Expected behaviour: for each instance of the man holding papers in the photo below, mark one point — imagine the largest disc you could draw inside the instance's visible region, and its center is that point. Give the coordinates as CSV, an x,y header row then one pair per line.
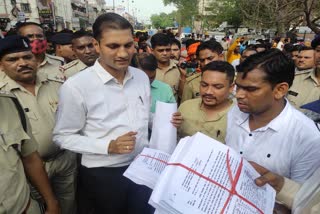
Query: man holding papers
x,y
265,127
300,198
103,114
208,114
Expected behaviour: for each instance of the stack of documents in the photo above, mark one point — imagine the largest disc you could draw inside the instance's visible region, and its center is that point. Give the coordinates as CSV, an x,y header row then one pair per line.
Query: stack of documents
x,y
203,176
147,167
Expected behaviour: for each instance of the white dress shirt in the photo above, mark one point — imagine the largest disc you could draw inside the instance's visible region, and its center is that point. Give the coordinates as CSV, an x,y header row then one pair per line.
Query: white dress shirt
x,y
289,145
94,108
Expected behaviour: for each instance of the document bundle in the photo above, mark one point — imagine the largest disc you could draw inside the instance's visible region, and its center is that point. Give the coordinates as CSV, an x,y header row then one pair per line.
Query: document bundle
x,y
201,176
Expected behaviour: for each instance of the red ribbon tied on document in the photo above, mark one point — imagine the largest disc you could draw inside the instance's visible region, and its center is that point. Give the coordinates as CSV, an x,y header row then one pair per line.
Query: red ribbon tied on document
x,y
233,181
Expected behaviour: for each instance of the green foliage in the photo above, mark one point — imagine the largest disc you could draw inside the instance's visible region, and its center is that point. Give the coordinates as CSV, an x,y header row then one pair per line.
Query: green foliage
x,y
163,20
187,10
225,10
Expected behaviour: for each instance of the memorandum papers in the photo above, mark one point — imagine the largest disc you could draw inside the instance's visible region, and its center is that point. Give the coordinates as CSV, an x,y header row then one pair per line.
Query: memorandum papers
x,y
205,176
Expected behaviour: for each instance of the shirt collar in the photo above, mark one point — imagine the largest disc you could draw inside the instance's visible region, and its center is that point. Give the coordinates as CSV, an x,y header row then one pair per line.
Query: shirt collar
x,y
312,75
45,61
155,84
242,119
219,115
106,77
171,66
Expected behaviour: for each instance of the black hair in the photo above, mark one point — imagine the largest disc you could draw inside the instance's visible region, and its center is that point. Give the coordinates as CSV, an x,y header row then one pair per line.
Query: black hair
x,y
316,41
20,25
296,48
213,46
160,39
274,63
176,42
220,66
81,33
138,34
190,42
288,47
250,48
262,45
304,48
145,61
110,21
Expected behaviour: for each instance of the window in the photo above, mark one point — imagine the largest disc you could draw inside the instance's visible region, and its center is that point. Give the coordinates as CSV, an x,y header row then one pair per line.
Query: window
x,y
25,7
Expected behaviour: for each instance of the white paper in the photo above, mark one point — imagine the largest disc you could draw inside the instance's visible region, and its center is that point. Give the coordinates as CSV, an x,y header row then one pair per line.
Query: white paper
x,y
164,134
147,167
182,191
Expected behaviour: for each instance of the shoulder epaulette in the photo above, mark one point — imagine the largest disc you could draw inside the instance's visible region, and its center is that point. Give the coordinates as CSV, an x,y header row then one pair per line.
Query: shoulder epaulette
x,y
6,94
58,58
2,84
69,65
194,76
56,77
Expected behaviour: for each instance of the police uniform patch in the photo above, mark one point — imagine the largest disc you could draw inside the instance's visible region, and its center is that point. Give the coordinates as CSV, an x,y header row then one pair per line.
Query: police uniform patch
x,y
293,93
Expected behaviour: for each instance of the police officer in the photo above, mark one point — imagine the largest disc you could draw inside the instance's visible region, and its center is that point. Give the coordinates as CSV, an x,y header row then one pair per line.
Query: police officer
x,y
63,47
83,47
18,159
47,63
306,86
208,114
38,94
206,52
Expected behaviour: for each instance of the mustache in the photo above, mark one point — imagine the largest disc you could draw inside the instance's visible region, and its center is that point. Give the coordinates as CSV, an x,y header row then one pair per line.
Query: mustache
x,y
25,68
208,96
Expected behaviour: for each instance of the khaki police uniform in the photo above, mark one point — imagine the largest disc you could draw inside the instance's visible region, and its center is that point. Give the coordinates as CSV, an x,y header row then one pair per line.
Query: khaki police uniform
x,y
2,74
305,89
196,120
171,76
40,110
192,87
14,189
72,68
51,65
298,72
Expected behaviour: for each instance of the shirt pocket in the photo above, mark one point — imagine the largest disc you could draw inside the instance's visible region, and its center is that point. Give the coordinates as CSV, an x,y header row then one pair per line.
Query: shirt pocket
x,y
10,143
34,120
139,109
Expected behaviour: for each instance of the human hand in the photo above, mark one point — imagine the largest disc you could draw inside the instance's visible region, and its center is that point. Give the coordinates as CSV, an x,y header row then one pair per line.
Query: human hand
x,y
176,119
183,71
53,207
123,144
275,180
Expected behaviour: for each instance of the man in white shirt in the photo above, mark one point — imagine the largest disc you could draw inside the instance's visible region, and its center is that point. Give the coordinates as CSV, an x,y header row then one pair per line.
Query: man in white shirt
x,y
265,127
103,114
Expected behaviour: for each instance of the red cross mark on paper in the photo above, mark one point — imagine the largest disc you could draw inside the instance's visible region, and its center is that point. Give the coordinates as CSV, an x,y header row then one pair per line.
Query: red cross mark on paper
x,y
233,180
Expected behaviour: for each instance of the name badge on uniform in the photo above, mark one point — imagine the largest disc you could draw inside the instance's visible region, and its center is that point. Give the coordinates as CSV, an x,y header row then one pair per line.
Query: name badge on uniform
x,y
293,93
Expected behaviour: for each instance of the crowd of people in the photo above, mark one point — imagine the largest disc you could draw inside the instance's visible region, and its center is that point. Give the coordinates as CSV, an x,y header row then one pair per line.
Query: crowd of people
x,y
72,122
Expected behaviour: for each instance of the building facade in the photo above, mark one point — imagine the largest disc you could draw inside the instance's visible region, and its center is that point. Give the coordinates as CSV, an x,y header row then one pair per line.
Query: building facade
x,y
55,14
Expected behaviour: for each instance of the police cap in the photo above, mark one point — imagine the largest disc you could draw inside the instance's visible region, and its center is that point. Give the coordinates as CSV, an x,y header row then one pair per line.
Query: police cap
x,y
14,44
62,38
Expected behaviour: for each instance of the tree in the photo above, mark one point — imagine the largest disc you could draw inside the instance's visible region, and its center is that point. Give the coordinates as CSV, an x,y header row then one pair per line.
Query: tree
x,y
163,20
225,10
187,10
312,14
281,14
